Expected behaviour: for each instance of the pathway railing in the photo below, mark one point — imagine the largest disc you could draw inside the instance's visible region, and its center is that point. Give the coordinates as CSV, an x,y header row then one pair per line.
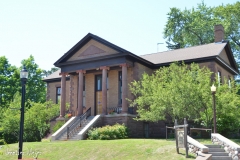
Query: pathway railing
x,y
229,146
77,123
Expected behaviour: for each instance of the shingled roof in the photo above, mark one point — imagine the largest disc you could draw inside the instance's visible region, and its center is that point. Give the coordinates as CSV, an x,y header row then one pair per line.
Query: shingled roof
x,y
190,53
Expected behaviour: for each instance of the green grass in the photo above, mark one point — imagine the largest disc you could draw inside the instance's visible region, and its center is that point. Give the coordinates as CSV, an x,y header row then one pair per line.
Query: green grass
x,y
125,149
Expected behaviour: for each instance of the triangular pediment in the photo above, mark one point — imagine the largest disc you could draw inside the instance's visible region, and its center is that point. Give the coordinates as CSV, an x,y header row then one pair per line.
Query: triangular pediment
x,y
88,47
92,50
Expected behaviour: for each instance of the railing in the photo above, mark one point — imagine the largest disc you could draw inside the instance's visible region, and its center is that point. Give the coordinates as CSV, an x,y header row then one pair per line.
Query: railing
x,y
118,110
229,146
71,128
195,146
112,110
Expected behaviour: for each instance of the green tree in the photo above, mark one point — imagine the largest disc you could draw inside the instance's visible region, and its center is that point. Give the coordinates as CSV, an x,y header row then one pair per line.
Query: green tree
x,y
183,91
9,82
35,87
227,108
36,121
195,26
178,91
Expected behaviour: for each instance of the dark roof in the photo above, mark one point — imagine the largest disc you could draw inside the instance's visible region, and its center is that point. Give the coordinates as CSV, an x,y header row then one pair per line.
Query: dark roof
x,y
83,41
195,52
155,60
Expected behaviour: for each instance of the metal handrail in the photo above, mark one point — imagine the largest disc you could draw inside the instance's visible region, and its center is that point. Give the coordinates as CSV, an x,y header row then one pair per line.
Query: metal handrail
x,y
77,122
114,109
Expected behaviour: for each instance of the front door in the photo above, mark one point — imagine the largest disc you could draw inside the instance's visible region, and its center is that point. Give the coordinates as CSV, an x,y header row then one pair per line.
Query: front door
x,y
98,94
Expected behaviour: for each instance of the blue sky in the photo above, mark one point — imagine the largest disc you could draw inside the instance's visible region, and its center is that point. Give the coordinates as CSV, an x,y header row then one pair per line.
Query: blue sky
x,y
49,28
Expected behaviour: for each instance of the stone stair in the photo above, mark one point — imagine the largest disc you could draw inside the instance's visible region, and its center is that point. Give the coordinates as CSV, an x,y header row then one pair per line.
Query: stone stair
x,y
76,130
218,153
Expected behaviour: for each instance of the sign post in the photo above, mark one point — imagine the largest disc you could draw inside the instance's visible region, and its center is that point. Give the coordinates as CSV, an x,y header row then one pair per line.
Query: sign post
x,y
181,136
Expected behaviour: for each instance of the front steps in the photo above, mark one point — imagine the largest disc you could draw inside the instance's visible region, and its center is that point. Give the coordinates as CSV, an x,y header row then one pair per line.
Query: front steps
x,y
218,153
76,130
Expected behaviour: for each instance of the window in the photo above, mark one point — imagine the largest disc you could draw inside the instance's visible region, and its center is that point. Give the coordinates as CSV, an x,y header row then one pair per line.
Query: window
x,y
120,87
98,82
58,95
219,78
84,93
229,82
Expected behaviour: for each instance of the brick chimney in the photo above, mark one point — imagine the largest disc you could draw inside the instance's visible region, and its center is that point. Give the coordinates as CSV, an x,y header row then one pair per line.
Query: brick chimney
x,y
218,33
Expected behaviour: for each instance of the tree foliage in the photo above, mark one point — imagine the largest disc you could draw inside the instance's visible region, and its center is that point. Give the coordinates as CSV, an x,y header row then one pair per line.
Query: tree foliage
x,y
35,87
36,121
178,92
195,26
9,82
228,107
183,91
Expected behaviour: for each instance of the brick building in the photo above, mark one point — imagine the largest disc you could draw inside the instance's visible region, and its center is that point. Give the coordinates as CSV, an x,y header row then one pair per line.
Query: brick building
x,y
95,74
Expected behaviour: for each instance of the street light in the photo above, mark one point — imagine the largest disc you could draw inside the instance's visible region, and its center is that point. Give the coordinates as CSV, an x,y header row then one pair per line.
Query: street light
x,y
23,76
213,89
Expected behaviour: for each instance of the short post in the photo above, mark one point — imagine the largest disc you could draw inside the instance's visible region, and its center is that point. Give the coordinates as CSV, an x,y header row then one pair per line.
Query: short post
x,y
166,132
185,137
68,132
176,136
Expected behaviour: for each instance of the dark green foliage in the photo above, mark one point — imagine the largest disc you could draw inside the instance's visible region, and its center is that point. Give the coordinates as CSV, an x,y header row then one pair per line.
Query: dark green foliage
x,y
108,132
9,82
36,121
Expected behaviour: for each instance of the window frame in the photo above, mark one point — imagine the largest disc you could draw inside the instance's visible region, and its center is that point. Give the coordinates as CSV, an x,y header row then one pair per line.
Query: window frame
x,y
58,94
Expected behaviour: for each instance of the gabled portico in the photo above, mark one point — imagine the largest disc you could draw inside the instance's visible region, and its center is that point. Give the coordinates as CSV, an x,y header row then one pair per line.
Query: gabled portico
x,y
107,65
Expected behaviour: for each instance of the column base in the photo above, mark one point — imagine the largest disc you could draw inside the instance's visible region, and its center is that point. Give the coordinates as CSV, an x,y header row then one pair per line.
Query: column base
x,y
60,118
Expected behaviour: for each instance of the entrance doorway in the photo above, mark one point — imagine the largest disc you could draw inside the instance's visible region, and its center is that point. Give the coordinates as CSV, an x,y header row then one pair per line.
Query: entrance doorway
x,y
98,94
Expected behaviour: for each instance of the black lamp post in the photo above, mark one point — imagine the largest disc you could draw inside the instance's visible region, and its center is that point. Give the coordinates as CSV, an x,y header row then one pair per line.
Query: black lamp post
x,y
23,76
213,89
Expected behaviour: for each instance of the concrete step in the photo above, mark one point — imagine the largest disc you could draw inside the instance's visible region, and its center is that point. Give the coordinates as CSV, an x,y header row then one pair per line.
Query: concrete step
x,y
212,146
216,150
221,158
218,153
76,130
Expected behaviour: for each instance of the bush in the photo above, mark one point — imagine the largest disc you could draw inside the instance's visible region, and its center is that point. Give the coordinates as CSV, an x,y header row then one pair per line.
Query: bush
x,y
116,131
58,125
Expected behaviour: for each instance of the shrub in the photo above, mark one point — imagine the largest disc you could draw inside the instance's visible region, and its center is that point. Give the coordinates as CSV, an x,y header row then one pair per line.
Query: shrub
x,y
116,131
58,125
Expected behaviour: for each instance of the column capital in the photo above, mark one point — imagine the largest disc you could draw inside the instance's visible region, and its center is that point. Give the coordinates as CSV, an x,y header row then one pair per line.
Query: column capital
x,y
81,71
124,65
104,67
63,73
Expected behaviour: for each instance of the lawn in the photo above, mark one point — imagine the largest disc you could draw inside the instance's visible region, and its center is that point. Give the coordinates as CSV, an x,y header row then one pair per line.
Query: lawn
x,y
125,149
